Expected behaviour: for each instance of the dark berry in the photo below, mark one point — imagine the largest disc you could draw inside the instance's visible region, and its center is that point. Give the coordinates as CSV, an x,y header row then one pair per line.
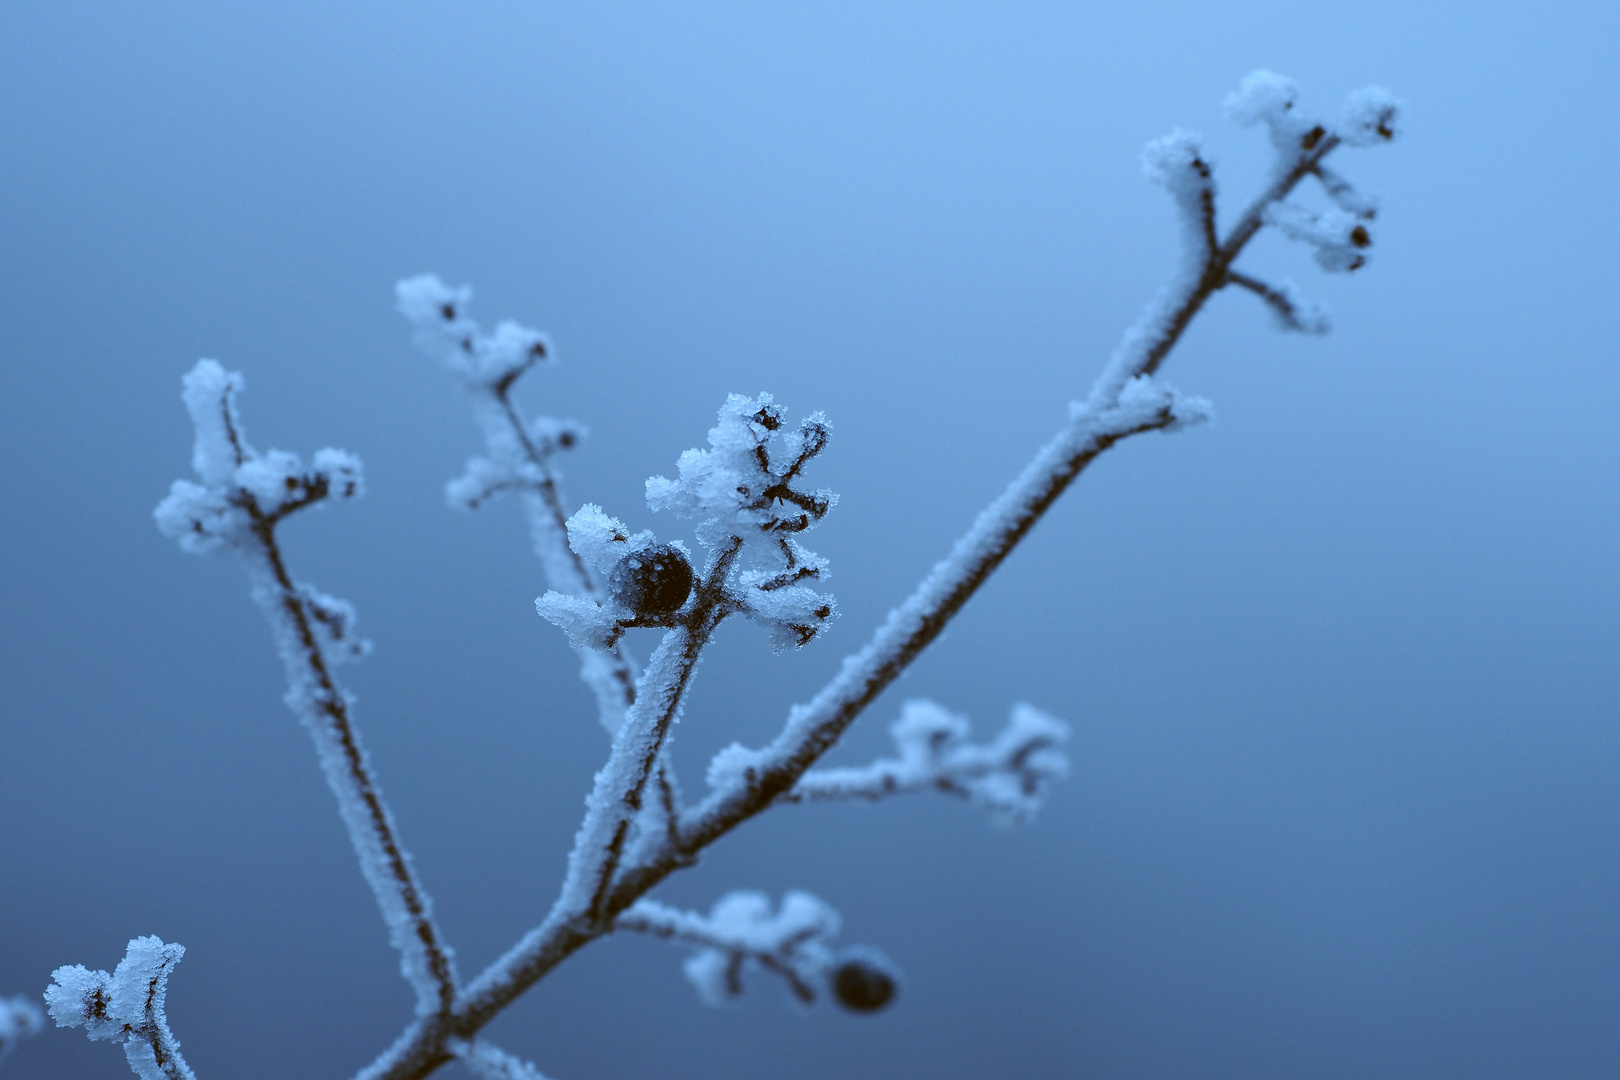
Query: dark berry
x,y
863,984
653,581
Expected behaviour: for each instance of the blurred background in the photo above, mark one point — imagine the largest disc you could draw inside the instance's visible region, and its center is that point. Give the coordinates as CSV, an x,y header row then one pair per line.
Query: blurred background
x,y
1342,669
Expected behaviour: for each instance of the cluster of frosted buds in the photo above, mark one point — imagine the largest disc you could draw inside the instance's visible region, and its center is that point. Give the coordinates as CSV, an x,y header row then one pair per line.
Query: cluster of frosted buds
x,y
1008,775
742,932
1341,235
242,490
126,1006
443,330
488,364
743,492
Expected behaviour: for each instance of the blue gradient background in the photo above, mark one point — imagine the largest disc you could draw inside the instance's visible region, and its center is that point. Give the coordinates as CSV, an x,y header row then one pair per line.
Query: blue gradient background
x,y
1342,669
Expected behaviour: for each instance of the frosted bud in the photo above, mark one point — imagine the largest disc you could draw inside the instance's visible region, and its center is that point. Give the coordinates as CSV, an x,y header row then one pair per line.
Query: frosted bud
x,y
79,997
602,540
1262,96
1369,117
426,301
1176,160
863,980
333,621
655,580
203,520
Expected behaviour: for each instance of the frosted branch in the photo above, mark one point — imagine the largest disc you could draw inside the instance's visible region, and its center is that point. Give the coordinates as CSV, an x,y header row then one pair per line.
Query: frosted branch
x,y
518,456
1009,775
243,496
1293,312
742,932
1125,400
487,1061
20,1019
125,1007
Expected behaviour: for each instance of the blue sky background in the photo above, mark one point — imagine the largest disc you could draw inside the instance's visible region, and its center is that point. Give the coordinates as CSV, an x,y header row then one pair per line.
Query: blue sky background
x,y
1342,669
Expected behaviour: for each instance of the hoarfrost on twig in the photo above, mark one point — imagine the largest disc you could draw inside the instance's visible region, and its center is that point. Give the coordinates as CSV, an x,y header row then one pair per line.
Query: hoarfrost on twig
x,y
519,456
487,1061
742,931
126,1007
746,495
244,495
1008,776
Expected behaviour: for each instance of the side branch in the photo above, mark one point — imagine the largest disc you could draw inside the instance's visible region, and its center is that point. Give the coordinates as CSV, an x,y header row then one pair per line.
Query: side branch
x,y
323,706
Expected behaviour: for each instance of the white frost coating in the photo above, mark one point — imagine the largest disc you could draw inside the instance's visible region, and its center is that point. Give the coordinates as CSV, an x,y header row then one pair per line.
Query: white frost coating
x,y
518,456
602,540
1008,776
589,625
323,708
1338,237
742,931
443,331
1369,117
636,746
19,1019
487,1061
244,494
209,393
1351,200
743,491
1262,96
126,1007
1146,400
1293,311
1119,400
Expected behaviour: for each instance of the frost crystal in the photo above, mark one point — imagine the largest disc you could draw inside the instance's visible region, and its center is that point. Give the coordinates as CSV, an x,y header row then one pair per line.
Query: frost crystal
x,y
126,1007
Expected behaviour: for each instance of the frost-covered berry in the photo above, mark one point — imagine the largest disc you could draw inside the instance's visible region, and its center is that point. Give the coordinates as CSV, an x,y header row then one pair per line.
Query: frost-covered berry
x,y
653,581
863,983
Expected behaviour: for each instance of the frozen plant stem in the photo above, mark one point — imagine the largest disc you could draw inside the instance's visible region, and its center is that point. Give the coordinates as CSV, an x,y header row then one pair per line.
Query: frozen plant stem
x,y
636,831
244,496
1124,401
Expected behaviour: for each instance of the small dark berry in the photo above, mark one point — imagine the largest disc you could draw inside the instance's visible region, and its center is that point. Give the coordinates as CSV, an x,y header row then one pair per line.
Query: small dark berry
x,y
1360,237
653,581
863,984
448,311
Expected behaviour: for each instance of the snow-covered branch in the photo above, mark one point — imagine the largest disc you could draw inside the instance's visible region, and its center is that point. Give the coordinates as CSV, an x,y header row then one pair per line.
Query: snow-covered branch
x,y
487,1061
242,497
741,931
746,495
1126,400
1009,775
20,1019
125,1007
518,455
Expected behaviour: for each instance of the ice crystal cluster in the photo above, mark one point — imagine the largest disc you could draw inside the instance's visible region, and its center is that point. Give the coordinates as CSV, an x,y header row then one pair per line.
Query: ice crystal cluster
x,y
747,503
